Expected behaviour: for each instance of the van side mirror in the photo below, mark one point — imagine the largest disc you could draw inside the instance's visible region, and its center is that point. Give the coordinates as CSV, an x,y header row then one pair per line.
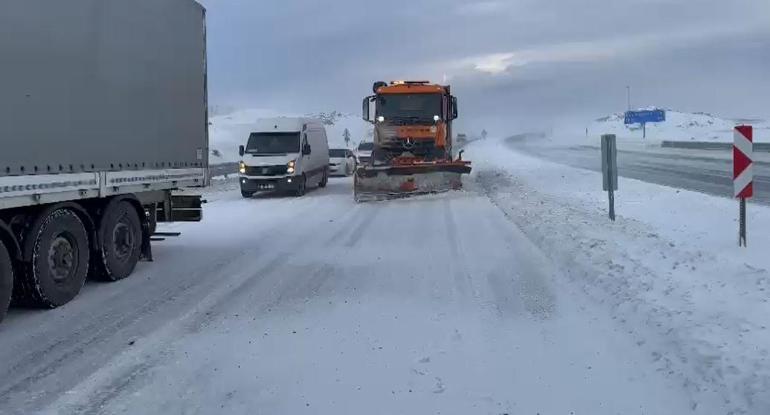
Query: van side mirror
x,y
306,150
241,150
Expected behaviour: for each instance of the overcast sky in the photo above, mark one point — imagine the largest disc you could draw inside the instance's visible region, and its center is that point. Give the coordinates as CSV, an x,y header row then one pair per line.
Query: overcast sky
x,y
514,64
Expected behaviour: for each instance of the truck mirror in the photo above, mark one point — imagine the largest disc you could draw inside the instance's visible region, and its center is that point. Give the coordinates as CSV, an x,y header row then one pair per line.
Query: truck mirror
x,y
365,109
241,150
306,150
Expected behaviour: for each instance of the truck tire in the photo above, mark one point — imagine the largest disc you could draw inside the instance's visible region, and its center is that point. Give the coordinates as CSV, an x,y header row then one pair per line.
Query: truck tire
x,y
324,179
120,233
57,244
6,280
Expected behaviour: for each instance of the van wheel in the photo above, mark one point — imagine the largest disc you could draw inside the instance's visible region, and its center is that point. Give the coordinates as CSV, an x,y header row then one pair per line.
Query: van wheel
x,y
6,280
301,186
120,234
246,195
58,245
324,179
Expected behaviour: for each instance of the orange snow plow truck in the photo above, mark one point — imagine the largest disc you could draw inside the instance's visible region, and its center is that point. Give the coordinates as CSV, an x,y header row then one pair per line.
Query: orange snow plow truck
x,y
412,142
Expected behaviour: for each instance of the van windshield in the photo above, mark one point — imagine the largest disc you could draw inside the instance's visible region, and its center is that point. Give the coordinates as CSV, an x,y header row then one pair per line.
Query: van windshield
x,y
338,153
368,146
273,143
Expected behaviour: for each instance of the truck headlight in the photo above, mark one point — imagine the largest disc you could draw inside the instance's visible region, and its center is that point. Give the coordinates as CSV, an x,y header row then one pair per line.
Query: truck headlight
x,y
242,167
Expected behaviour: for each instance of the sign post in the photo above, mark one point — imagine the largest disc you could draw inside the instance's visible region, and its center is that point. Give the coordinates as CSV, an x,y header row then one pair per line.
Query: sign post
x,y
743,177
610,169
643,117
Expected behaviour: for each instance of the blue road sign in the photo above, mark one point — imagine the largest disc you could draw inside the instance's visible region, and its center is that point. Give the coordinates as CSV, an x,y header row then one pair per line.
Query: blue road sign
x,y
643,117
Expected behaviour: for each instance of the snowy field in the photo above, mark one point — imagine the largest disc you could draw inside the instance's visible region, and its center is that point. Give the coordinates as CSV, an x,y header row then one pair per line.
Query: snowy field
x,y
679,126
513,296
231,128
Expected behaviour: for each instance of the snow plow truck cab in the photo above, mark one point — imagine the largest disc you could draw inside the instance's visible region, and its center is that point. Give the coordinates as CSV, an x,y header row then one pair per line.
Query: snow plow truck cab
x,y
413,150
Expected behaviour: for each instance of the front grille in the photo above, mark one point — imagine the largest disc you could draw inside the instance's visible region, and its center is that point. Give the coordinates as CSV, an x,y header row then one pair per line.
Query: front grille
x,y
279,170
395,143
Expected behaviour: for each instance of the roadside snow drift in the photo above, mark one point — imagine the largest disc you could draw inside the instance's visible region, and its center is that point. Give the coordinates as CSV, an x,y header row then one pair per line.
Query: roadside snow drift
x,y
670,269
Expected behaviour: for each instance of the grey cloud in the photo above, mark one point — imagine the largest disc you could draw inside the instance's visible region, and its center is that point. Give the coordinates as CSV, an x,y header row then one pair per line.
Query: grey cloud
x,y
560,58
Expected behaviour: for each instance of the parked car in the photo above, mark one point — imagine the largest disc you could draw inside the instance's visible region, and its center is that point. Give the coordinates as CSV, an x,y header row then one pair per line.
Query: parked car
x,y
364,152
284,154
342,162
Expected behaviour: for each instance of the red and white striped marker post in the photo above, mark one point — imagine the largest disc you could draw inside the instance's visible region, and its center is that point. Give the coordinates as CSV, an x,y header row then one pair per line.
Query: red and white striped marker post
x,y
743,176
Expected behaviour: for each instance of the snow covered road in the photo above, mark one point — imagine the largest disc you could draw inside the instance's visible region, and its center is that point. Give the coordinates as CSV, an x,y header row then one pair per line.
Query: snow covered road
x,y
317,305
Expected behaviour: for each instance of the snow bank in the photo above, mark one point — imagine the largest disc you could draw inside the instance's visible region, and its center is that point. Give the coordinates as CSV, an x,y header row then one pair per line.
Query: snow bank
x,y
669,269
359,129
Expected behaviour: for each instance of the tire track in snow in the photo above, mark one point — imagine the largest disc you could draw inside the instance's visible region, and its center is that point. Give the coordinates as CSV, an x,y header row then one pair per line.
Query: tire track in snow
x,y
168,298
368,216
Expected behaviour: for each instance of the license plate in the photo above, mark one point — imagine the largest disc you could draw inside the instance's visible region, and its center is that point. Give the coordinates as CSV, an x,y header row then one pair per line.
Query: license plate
x,y
267,186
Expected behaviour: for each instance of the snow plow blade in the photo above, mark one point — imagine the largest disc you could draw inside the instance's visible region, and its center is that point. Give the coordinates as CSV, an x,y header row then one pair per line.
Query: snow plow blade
x,y
372,183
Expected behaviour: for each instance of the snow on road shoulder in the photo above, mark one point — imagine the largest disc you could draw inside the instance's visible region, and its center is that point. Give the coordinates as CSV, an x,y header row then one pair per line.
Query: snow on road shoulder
x,y
669,268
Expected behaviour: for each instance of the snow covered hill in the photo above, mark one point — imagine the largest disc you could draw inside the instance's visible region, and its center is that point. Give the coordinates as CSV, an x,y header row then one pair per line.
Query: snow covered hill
x,y
680,126
229,127
337,122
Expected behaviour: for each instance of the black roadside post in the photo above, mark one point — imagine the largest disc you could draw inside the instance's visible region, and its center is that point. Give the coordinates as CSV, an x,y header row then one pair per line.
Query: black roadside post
x,y
610,169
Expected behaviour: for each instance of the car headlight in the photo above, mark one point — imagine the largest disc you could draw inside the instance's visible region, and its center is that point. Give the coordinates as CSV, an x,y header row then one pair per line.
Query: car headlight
x,y
242,167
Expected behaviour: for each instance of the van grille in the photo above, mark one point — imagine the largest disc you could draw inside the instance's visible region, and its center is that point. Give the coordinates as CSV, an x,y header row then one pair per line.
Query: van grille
x,y
279,170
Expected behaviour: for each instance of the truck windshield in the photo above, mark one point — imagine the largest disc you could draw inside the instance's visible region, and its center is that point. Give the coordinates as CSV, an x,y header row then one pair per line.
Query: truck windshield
x,y
273,143
410,107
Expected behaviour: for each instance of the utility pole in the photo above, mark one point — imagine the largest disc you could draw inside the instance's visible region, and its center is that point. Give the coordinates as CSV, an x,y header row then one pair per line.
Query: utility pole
x,y
628,95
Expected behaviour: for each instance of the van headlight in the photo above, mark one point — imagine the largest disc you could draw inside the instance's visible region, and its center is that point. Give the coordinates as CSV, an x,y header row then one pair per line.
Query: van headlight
x,y
290,167
242,167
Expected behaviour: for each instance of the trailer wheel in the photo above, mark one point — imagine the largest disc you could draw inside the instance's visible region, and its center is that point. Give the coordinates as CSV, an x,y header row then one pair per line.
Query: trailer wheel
x,y
121,241
6,280
59,260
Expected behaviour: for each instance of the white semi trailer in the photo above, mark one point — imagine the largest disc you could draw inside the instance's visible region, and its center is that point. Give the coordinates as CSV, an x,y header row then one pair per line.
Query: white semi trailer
x,y
103,120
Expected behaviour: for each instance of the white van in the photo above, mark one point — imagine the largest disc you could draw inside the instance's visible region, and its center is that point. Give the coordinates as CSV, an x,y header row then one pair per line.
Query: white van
x,y
284,154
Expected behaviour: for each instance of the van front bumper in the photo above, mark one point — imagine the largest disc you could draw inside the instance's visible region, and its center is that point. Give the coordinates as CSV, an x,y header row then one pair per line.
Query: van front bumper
x,y
251,184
